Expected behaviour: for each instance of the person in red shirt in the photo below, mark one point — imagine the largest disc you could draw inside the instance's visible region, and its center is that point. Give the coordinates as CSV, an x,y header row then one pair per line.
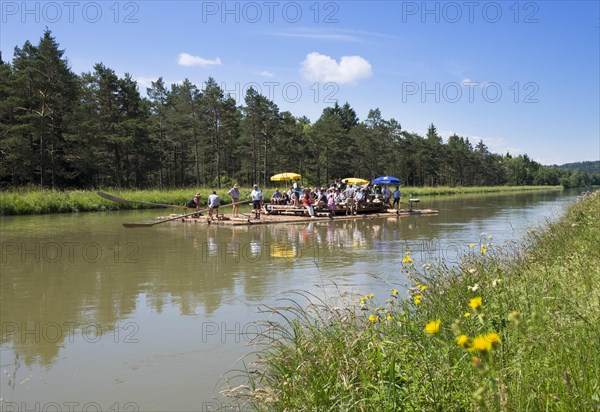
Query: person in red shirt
x,y
307,203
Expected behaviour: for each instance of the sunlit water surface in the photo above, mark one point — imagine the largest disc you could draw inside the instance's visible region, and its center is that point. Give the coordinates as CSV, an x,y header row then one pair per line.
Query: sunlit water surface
x,y
108,318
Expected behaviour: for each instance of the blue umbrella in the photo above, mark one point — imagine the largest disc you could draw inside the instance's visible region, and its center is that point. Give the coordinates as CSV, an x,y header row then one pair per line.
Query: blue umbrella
x,y
387,180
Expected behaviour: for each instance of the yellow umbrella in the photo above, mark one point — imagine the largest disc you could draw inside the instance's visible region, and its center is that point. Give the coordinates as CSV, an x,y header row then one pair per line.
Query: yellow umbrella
x,y
355,181
285,176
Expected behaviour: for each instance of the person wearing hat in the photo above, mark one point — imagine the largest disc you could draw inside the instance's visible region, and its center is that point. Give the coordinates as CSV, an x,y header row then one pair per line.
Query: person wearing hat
x,y
257,198
195,203
234,192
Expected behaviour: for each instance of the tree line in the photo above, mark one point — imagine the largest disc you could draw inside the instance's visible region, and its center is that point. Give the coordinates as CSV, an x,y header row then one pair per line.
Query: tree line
x,y
63,130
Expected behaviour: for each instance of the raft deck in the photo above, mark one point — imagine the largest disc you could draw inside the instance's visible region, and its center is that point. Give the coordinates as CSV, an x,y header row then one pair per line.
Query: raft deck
x,y
268,219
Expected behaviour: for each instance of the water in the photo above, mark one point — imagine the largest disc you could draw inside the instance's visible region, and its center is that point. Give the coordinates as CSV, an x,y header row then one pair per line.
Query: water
x,y
108,318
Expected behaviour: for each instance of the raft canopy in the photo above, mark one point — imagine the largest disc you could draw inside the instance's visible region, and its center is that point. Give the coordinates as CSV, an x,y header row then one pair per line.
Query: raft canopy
x,y
355,181
387,180
287,176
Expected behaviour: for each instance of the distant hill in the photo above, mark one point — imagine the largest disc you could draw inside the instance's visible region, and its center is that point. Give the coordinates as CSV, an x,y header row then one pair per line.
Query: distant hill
x,y
592,167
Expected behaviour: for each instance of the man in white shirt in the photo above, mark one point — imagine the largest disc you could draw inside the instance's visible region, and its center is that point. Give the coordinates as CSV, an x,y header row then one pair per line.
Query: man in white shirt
x,y
213,205
257,198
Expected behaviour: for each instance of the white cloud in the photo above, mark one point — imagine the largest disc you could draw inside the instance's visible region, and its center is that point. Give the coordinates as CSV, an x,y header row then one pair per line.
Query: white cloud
x,y
321,68
318,36
338,35
266,73
145,82
188,60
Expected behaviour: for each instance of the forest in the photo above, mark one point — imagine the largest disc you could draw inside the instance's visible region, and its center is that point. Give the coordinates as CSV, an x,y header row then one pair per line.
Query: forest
x,y
59,129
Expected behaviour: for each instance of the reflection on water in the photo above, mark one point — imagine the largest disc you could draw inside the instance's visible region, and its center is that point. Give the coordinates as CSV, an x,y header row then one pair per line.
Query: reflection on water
x,y
154,316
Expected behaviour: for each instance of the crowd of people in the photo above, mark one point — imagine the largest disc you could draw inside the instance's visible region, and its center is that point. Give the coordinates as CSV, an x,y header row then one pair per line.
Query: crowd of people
x,y
339,195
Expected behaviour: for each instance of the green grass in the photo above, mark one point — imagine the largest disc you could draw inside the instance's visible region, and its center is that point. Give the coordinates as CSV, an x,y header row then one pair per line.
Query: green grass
x,y
39,201
33,200
367,353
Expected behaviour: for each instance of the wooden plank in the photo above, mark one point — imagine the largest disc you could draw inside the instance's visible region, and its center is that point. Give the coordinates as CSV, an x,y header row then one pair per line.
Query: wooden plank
x,y
278,219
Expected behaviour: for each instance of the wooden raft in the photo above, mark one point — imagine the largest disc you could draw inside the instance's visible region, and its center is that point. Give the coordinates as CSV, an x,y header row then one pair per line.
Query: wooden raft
x,y
267,219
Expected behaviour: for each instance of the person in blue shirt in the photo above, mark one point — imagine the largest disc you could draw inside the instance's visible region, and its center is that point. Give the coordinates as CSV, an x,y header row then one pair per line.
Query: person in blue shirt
x,y
397,195
277,197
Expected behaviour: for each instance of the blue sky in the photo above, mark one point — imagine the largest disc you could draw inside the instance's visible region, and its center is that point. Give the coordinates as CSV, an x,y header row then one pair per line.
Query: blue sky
x,y
522,76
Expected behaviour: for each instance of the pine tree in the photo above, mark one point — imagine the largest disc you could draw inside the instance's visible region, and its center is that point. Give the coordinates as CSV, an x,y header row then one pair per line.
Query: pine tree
x,y
42,92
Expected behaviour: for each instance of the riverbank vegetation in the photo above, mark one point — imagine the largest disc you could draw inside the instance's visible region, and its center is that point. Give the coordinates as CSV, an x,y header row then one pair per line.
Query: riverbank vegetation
x,y
31,200
507,329
59,129
35,200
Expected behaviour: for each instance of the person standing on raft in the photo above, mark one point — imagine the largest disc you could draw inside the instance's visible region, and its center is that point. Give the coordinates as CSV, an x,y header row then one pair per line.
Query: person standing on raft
x,y
257,199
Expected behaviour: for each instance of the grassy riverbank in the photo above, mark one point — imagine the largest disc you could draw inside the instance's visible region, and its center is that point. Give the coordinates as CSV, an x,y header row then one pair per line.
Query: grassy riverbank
x,y
39,201
505,330
36,201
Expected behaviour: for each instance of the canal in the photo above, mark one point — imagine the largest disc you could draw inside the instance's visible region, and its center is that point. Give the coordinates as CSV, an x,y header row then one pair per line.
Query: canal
x,y
95,316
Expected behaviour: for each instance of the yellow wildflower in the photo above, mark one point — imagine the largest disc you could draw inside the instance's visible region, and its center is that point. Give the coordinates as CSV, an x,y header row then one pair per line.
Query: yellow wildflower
x,y
490,237
417,299
493,338
373,318
471,245
394,292
481,344
362,300
422,287
476,302
432,327
462,341
371,295
388,317
407,259
483,250
467,314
